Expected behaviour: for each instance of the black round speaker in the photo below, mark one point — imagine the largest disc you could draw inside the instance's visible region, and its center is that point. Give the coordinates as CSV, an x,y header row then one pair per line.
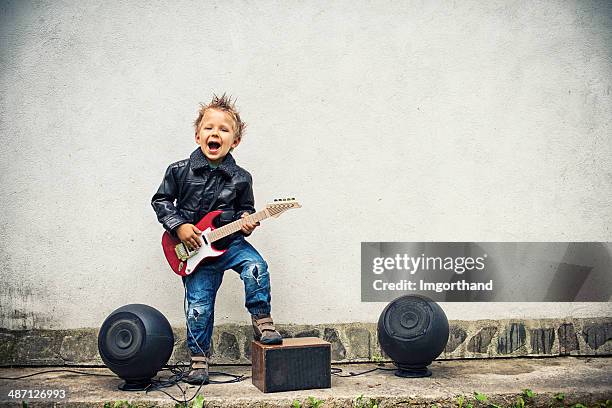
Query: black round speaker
x,y
413,331
135,341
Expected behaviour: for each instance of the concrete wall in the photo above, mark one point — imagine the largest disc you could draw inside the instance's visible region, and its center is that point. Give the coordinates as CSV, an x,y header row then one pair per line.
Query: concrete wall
x,y
390,121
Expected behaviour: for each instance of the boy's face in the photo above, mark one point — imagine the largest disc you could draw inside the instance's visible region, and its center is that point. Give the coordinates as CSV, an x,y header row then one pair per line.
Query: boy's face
x,y
215,135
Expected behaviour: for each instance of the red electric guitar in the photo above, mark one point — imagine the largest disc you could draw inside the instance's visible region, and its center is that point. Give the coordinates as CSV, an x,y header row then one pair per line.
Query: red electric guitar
x,y
183,261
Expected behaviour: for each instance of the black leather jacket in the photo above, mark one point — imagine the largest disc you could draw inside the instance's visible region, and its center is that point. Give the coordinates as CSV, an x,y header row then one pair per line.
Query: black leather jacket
x,y
193,184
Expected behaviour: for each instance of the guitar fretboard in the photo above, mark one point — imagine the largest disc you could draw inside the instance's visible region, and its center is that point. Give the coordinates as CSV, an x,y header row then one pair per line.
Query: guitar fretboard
x,y
237,225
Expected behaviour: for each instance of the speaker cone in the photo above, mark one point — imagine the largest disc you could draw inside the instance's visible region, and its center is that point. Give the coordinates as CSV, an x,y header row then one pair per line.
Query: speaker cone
x,y
123,338
413,331
135,341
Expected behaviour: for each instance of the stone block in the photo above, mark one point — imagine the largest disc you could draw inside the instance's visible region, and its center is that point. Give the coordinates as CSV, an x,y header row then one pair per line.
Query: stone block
x,y
309,333
228,346
479,343
338,350
7,349
247,334
568,341
285,334
597,334
180,352
80,347
542,340
39,347
511,339
358,342
456,337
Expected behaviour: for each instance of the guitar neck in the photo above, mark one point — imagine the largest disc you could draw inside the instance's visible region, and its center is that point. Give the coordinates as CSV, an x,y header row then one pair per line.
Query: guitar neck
x,y
237,225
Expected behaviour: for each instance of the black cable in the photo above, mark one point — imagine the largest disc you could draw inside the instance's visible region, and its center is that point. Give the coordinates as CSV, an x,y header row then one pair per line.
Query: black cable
x,y
237,378
336,371
180,371
181,368
56,371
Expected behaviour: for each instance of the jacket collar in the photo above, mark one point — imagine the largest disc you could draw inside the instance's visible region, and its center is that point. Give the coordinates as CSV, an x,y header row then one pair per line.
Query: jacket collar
x,y
198,162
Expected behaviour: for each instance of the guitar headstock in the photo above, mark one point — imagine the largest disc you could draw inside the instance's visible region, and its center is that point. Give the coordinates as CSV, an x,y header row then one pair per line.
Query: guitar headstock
x,y
280,205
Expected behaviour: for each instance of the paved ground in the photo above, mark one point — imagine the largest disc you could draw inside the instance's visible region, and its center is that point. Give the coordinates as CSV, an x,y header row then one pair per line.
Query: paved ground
x,y
580,380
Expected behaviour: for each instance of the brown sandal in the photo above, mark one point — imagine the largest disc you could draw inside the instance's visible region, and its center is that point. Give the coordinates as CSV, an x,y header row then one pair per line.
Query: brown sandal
x,y
264,330
198,371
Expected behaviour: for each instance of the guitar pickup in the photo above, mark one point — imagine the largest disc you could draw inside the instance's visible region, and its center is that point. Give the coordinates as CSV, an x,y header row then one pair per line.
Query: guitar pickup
x,y
183,253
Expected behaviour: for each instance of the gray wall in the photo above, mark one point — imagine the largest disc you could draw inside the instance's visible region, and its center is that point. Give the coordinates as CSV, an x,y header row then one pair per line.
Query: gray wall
x,y
390,121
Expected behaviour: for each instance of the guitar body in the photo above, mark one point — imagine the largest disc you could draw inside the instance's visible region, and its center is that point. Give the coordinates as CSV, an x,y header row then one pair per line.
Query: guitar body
x,y
206,251
184,262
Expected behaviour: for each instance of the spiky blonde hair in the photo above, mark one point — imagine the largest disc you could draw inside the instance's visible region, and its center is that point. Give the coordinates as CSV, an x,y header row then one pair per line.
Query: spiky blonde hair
x,y
223,103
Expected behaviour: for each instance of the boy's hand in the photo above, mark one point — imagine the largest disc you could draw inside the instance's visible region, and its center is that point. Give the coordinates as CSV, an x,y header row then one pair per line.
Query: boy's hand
x,y
248,227
190,235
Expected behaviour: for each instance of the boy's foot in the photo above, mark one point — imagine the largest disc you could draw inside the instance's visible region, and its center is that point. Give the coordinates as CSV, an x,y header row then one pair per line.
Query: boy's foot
x,y
264,331
198,370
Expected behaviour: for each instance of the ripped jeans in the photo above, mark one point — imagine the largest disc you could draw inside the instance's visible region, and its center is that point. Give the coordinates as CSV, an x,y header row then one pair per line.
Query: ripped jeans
x,y
202,286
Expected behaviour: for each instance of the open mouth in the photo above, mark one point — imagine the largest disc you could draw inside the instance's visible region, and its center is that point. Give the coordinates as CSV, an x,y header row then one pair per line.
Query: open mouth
x,y
213,146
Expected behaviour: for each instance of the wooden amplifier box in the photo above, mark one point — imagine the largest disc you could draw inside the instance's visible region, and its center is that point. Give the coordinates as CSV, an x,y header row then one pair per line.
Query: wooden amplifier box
x,y
297,364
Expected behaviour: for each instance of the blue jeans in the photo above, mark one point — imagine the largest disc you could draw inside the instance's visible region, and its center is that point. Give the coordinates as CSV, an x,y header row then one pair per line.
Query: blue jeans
x,y
202,286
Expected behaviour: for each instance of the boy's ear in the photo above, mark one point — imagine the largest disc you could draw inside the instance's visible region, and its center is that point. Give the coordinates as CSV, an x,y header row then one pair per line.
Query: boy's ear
x,y
235,143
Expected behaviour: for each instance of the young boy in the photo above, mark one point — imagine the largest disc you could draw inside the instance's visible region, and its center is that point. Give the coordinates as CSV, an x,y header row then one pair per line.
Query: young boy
x,y
211,180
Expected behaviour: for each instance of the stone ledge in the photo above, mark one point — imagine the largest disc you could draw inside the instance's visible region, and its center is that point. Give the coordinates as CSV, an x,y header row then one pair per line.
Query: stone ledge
x,y
351,342
580,380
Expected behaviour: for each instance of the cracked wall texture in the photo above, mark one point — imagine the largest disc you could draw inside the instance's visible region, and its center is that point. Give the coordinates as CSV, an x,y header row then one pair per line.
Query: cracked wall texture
x,y
389,121
232,343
